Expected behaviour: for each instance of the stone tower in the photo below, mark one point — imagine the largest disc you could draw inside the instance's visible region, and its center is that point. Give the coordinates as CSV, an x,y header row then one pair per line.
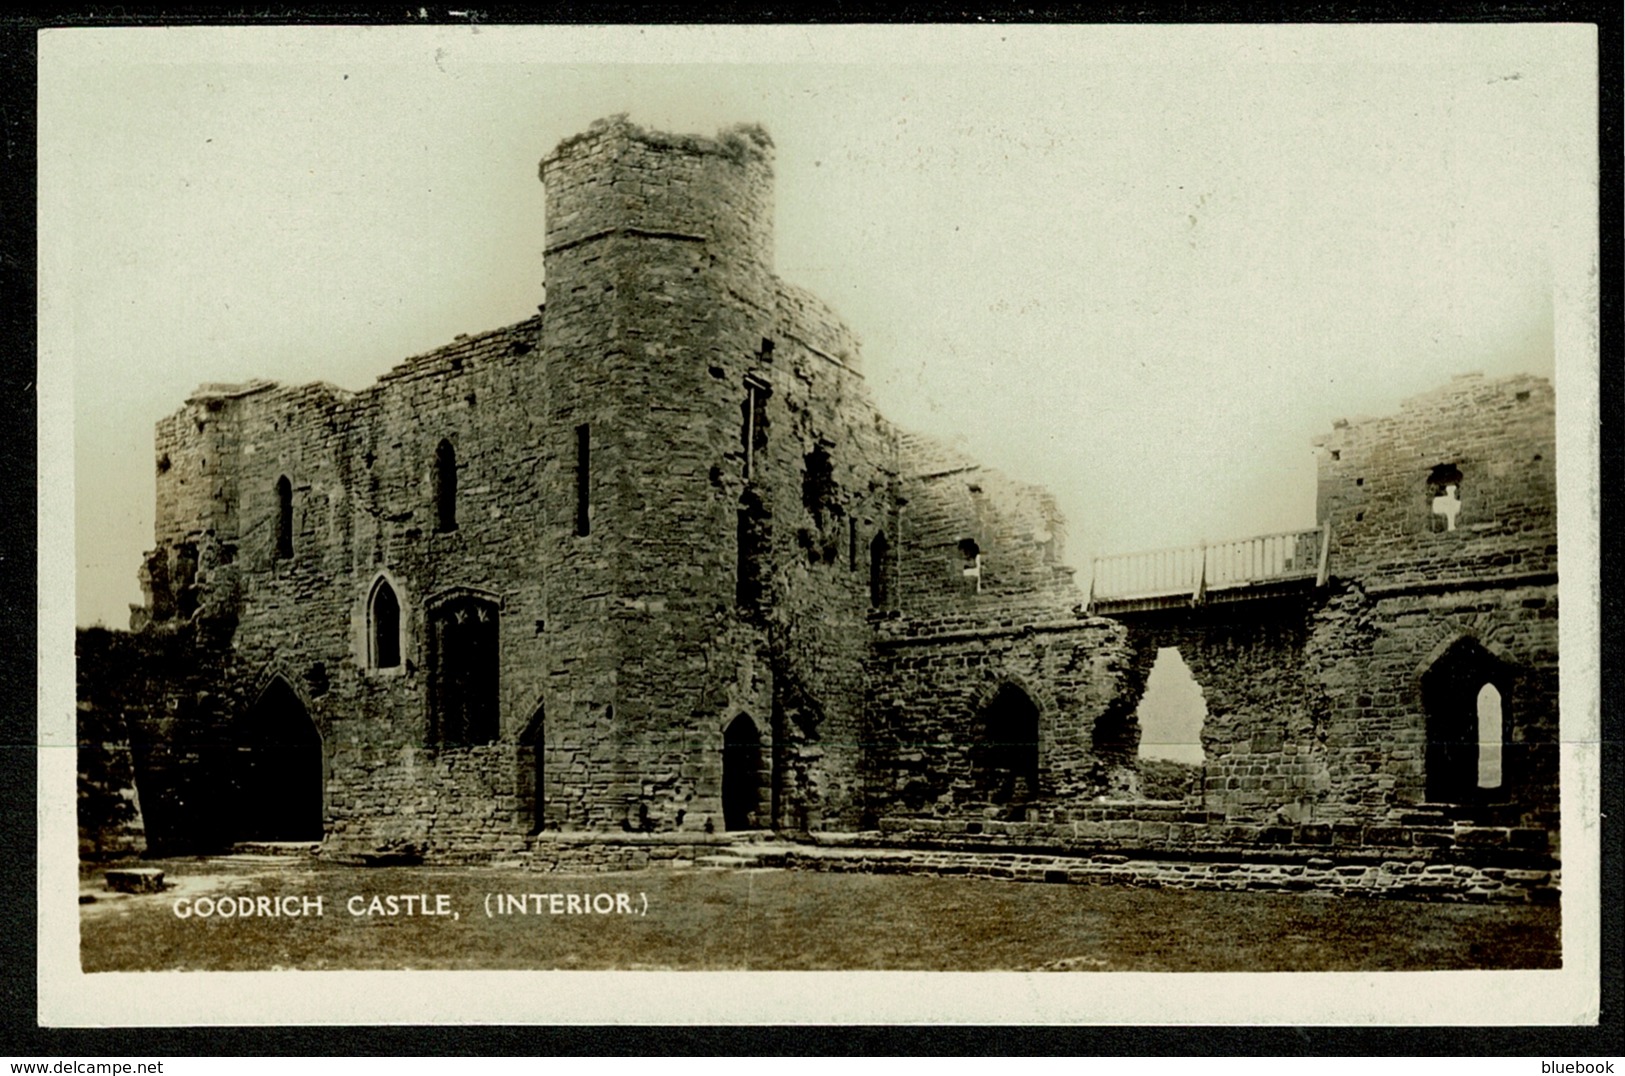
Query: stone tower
x,y
701,506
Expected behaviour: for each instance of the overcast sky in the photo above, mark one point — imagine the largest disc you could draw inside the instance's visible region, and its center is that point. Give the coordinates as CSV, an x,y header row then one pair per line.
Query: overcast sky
x,y
1142,266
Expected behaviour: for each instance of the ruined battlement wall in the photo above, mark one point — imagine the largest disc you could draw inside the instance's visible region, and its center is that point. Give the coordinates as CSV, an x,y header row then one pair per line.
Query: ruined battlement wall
x,y
972,539
320,496
1423,617
1385,486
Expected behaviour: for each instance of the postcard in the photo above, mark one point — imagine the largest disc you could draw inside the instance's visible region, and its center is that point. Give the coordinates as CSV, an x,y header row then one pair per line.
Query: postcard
x,y
992,524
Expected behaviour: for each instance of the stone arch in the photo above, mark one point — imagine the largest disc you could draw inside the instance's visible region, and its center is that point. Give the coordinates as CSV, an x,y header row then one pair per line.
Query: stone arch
x,y
1005,749
1443,646
747,779
532,760
279,771
464,658
1460,754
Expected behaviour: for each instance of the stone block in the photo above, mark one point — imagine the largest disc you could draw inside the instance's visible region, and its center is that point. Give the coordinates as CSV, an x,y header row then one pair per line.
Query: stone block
x,y
135,880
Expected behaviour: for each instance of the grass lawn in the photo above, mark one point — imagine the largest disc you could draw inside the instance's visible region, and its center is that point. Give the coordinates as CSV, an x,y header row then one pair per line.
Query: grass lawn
x,y
792,920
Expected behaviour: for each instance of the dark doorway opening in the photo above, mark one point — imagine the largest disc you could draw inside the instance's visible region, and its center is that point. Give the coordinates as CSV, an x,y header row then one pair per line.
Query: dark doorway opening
x,y
279,770
744,776
1466,696
463,672
1004,749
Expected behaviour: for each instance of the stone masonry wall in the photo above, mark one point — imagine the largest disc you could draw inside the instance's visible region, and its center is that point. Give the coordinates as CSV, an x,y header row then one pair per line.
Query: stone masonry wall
x,y
671,488
1408,591
1374,486
664,321
971,537
929,682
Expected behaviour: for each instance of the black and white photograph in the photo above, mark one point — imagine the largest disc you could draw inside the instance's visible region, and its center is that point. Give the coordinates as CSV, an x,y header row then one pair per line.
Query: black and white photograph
x,y
594,525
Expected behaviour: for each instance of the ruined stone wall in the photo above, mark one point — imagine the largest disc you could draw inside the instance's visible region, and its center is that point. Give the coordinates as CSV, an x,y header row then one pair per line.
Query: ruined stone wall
x,y
970,537
361,472
931,683
161,699
1495,439
1371,654
1263,736
1410,594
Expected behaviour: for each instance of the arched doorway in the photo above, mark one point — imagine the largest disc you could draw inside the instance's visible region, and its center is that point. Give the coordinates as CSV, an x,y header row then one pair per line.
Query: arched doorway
x,y
279,771
1004,748
745,779
1466,697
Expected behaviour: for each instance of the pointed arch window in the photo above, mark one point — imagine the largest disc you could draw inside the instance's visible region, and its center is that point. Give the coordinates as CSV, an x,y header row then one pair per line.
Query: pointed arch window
x,y
384,626
284,518
445,487
1465,696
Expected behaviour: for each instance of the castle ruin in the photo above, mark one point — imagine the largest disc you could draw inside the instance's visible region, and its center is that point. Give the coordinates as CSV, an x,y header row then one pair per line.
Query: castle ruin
x,y
649,567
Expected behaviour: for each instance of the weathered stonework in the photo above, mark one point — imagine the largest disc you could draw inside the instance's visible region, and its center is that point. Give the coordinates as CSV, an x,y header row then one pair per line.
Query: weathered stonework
x,y
600,586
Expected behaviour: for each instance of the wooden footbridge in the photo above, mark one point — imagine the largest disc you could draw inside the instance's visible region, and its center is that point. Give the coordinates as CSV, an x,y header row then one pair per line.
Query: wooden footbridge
x,y
1268,565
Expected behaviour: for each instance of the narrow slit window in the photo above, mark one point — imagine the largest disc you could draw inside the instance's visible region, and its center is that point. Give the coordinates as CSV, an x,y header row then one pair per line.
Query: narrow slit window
x,y
583,480
752,543
445,487
753,431
284,518
879,571
970,557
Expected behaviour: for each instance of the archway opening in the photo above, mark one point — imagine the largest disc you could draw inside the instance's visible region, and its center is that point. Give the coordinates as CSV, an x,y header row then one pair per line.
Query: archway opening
x,y
279,770
1170,715
744,778
1464,696
1004,749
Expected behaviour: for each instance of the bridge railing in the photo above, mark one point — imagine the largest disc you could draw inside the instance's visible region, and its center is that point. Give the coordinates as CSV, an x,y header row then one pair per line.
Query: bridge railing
x,y
1194,570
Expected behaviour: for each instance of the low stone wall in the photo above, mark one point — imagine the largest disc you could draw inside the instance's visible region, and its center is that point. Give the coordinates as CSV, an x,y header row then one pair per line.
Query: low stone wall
x,y
449,805
1390,873
1172,832
1415,879
596,852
